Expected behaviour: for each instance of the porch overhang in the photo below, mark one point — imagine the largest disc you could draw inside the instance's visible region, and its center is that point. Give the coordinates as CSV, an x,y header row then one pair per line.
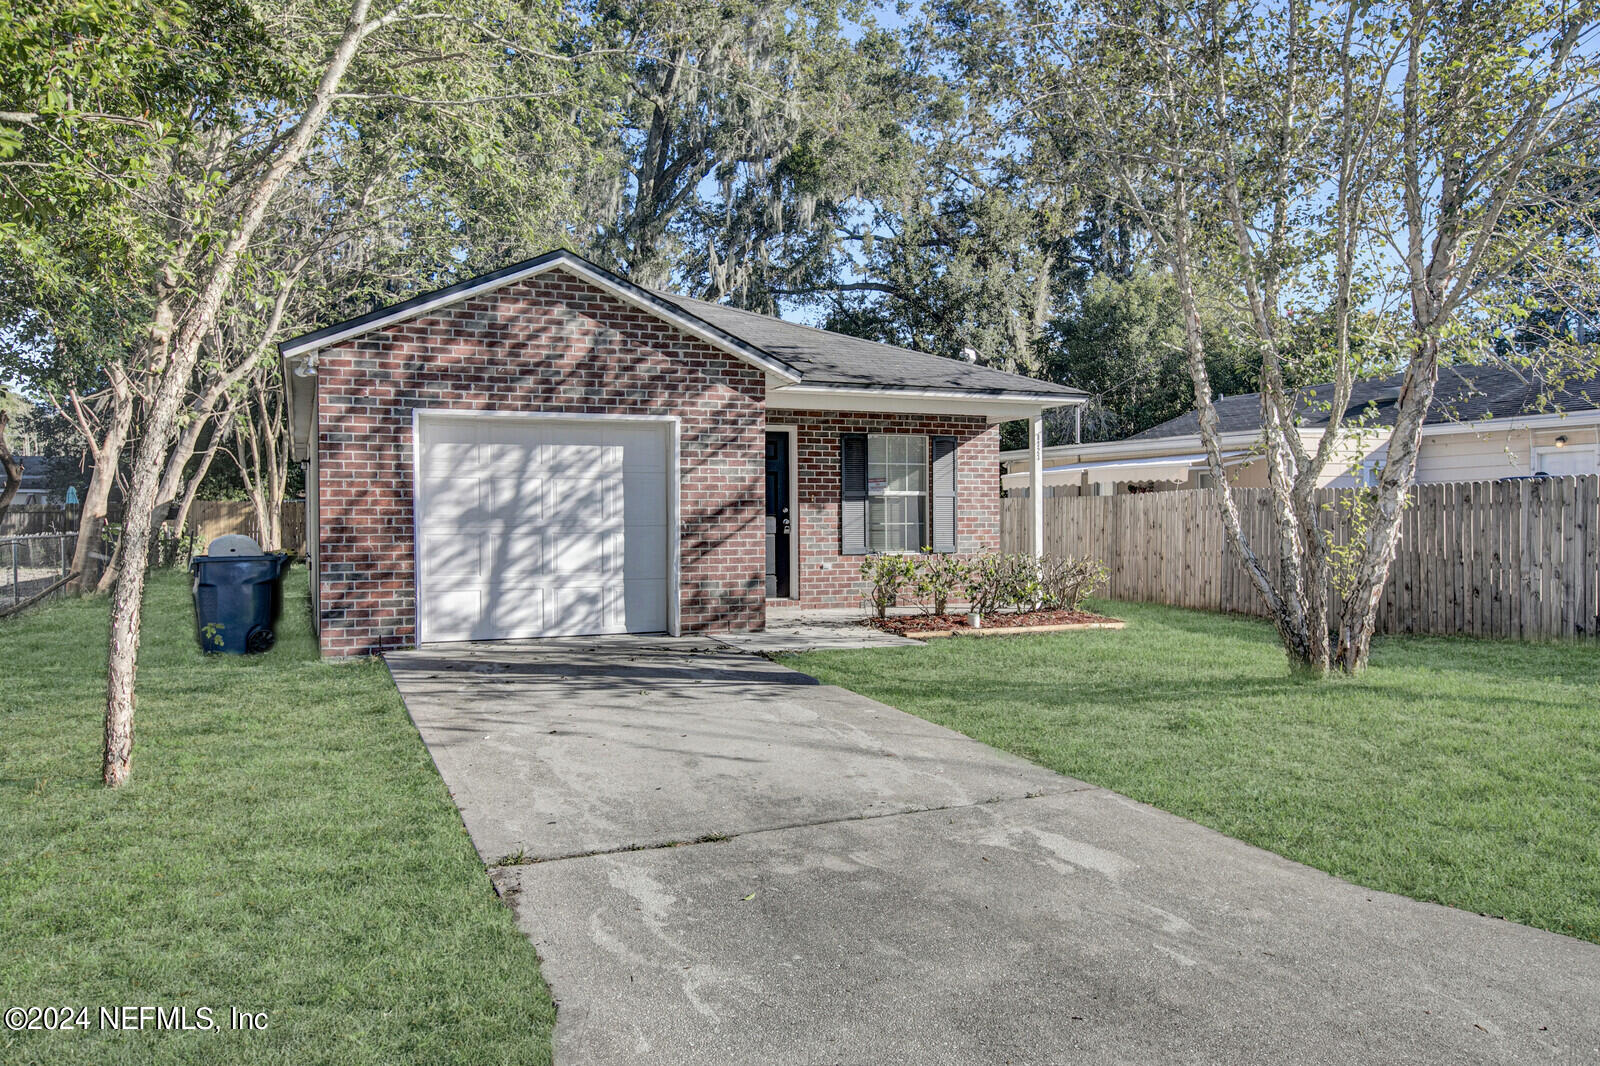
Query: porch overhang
x,y
994,406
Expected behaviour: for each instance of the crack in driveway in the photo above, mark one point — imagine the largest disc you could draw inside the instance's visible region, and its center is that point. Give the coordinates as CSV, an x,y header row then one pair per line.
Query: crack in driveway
x,y
516,859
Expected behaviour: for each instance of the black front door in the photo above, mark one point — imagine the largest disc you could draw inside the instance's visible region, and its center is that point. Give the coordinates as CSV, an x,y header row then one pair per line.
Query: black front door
x,y
778,524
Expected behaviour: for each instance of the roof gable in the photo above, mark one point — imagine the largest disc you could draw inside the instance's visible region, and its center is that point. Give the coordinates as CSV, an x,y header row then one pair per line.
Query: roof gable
x,y
429,302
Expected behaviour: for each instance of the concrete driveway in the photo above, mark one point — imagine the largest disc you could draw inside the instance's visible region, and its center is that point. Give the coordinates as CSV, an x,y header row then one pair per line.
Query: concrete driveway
x,y
721,861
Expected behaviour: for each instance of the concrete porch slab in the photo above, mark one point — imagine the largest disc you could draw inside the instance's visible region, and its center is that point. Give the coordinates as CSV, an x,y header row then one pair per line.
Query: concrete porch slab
x,y
792,630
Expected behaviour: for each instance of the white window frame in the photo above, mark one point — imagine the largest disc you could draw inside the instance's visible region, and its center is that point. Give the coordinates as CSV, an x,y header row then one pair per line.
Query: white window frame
x,y
922,497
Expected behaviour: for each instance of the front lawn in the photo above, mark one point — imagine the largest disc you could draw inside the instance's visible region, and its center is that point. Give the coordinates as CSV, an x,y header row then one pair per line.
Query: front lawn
x,y
1461,771
285,846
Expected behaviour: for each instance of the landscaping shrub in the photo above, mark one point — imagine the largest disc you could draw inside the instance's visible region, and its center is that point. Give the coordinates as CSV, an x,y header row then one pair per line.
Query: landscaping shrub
x,y
1017,581
887,576
1064,581
938,576
985,583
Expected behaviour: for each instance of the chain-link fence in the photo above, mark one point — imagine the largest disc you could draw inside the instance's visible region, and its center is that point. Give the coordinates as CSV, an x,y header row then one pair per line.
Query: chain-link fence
x,y
31,563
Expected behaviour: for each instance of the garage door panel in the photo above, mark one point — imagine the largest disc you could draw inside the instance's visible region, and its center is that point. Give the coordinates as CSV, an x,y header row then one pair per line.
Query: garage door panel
x,y
516,499
518,609
581,463
446,457
530,528
514,459
586,502
644,456
645,603
516,558
577,610
585,552
644,499
453,499
457,614
641,553
452,554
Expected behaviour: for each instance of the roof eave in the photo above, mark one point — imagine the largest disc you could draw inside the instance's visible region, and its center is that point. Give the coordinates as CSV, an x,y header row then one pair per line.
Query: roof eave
x,y
995,407
1048,399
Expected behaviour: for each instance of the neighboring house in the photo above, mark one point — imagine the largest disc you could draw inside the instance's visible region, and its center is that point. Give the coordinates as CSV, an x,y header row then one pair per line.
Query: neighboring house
x,y
1485,423
550,449
36,479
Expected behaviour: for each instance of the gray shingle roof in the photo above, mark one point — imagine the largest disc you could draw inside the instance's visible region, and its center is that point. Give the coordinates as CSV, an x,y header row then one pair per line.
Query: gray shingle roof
x,y
1464,394
826,358
35,470
815,356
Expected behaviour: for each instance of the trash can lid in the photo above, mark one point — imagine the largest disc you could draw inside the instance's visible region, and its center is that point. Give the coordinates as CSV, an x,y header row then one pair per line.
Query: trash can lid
x,y
233,544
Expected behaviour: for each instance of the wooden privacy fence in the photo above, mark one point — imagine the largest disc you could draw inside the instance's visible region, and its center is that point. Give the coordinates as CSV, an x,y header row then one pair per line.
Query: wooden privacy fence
x,y
23,519
1501,559
209,519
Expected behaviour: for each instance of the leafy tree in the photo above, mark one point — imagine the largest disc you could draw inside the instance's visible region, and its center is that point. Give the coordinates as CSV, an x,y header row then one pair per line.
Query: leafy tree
x,y
745,133
10,465
1121,341
179,207
998,227
1330,170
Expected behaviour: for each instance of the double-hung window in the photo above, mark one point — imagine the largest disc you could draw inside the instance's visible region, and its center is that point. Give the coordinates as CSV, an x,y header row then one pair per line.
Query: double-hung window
x,y
897,492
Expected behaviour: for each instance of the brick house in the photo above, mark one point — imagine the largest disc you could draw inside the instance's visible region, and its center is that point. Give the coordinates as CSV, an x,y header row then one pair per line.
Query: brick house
x,y
550,449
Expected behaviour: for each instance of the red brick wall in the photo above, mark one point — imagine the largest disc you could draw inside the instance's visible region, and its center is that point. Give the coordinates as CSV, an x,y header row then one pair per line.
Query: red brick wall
x,y
828,579
552,343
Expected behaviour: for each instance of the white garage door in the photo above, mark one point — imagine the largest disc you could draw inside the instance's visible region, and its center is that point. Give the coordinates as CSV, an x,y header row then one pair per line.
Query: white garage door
x,y
534,527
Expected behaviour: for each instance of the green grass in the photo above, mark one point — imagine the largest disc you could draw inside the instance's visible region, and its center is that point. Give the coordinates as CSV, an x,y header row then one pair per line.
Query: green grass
x,y
285,846
1461,771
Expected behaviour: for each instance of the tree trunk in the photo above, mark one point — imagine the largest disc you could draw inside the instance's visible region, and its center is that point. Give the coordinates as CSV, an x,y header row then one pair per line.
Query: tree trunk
x,y
223,423
1288,620
1359,613
204,406
123,658
107,454
12,468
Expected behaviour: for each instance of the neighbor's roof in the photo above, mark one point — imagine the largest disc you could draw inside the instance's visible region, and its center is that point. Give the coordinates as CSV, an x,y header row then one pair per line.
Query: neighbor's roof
x,y
799,355
1464,394
35,468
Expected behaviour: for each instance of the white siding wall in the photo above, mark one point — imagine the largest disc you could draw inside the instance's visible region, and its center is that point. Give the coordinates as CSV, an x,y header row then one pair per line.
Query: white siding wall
x,y
1469,456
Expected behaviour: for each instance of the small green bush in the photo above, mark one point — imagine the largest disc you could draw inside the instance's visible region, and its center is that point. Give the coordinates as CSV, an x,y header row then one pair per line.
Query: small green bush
x,y
985,583
1018,582
887,576
1065,580
938,576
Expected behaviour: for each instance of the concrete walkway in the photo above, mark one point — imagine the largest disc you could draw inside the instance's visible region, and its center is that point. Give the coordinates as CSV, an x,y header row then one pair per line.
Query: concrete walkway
x,y
721,861
793,629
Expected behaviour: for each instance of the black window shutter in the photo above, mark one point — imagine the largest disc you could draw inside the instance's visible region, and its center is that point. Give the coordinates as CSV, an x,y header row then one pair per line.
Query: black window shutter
x,y
853,494
944,494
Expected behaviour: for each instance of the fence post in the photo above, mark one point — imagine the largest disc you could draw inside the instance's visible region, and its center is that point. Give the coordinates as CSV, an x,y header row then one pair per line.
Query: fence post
x,y
16,585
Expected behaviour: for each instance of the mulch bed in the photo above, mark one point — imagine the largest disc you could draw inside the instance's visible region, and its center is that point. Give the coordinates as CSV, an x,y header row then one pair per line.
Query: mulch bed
x,y
943,624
